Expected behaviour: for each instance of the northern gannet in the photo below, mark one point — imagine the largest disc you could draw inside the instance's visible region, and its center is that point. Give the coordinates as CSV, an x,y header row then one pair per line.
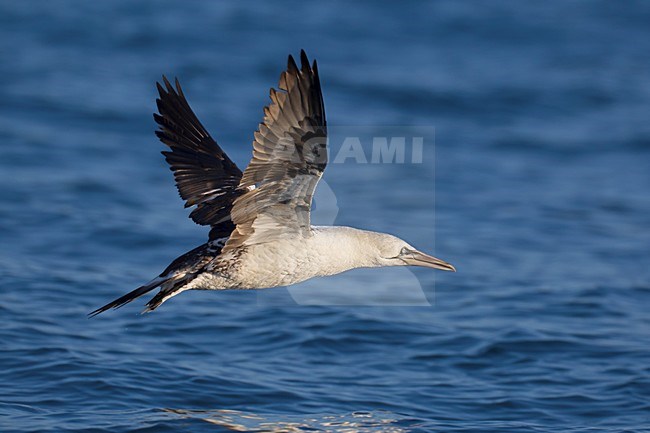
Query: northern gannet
x,y
260,231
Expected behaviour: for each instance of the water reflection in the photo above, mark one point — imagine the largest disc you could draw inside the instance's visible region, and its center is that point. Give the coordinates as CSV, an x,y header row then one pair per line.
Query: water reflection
x,y
355,422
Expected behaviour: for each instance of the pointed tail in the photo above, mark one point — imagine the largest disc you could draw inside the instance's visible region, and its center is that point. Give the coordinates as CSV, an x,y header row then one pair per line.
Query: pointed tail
x,y
172,280
130,296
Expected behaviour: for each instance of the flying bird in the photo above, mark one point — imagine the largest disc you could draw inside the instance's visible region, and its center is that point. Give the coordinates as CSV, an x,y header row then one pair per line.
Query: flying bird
x,y
260,231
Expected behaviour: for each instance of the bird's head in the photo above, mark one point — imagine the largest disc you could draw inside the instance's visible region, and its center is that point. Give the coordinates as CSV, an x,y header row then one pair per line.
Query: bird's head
x,y
393,251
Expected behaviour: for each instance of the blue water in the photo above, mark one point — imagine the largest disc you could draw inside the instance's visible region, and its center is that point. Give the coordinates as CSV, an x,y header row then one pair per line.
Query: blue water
x,y
542,178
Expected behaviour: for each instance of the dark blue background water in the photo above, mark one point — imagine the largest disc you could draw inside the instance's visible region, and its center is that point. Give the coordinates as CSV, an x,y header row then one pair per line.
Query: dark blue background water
x,y
542,177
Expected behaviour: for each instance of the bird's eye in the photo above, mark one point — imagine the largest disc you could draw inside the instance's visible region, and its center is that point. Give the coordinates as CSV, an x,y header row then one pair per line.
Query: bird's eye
x,y
404,251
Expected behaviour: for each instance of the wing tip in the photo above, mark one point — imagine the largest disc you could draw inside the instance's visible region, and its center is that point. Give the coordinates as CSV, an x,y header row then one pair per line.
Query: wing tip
x,y
292,67
175,90
304,61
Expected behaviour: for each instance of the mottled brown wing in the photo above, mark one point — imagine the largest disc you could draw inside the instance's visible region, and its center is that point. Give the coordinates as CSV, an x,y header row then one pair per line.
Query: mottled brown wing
x,y
289,156
205,176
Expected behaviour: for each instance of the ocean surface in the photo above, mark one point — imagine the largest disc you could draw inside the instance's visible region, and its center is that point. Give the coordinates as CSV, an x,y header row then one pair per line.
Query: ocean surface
x,y
535,183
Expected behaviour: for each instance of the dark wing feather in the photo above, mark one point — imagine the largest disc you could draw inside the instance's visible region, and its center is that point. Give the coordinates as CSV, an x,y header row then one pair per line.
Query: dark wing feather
x,y
289,156
205,176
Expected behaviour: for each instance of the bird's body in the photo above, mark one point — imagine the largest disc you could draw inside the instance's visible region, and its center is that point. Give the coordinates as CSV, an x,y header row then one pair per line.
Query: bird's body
x,y
326,251
261,236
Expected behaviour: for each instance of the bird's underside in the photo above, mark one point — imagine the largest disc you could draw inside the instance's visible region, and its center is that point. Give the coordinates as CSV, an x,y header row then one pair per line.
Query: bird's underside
x,y
259,219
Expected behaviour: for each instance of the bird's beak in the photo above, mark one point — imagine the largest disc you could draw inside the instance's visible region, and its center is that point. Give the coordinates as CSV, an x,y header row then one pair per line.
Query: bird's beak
x,y
417,258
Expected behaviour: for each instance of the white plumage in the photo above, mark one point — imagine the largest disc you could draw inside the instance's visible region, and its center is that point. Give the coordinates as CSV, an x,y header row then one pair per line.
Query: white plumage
x,y
261,235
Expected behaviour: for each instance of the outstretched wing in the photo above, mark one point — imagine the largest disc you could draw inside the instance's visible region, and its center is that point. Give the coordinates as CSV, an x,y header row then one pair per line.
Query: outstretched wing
x,y
205,176
289,156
